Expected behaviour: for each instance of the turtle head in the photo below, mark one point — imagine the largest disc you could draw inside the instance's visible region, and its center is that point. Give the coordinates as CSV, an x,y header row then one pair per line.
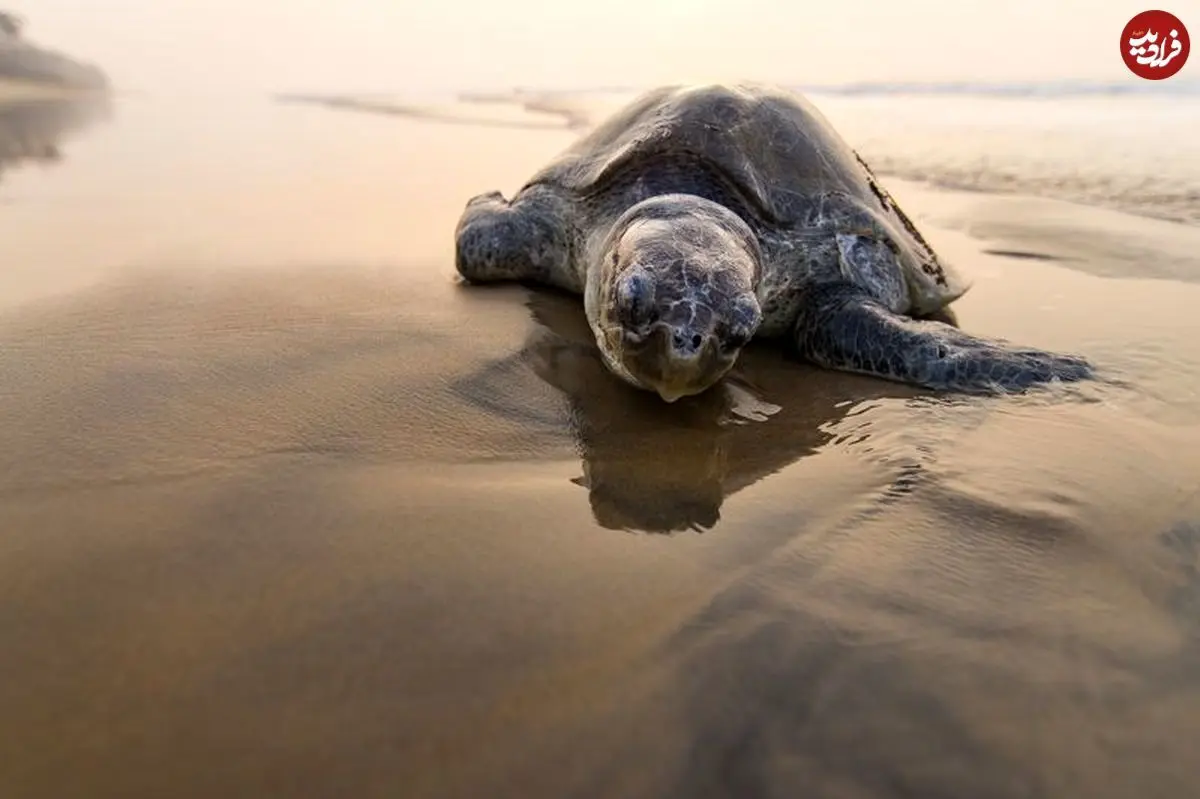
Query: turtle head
x,y
672,301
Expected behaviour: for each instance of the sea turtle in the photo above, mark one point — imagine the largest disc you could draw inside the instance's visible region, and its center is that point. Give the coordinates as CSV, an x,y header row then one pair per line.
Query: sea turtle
x,y
697,218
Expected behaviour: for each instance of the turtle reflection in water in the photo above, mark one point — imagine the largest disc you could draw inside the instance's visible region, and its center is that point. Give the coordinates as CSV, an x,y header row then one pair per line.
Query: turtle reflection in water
x,y
653,467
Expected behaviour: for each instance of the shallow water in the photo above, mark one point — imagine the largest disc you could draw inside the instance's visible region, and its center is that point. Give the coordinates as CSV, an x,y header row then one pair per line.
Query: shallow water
x,y
286,511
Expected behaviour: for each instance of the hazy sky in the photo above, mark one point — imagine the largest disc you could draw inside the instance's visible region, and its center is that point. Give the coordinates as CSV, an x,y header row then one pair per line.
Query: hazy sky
x,y
408,45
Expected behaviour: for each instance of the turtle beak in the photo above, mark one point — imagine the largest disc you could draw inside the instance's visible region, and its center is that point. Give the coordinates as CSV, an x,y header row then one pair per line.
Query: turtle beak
x,y
671,395
675,361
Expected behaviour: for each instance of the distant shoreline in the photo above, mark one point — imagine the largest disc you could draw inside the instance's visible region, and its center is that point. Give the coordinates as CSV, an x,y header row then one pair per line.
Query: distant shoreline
x,y
23,61
15,91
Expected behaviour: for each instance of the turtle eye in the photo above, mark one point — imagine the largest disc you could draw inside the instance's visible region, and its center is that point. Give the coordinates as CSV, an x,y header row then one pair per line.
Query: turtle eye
x,y
743,322
635,301
734,339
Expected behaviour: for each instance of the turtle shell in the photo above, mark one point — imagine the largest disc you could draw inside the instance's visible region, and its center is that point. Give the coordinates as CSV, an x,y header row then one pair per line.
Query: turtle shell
x,y
771,146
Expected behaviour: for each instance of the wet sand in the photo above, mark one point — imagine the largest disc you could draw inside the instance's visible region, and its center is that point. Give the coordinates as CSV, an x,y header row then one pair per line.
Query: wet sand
x,y
288,512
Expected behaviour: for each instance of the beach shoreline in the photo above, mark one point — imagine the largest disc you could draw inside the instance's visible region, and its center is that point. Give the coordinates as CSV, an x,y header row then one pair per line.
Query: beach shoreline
x,y
289,509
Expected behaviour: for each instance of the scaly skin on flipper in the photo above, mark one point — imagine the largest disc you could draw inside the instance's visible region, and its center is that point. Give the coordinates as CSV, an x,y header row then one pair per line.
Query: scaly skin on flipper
x,y
851,324
526,240
696,218
841,328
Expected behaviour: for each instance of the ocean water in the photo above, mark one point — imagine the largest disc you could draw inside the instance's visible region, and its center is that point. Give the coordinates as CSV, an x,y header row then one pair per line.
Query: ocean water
x,y
1133,153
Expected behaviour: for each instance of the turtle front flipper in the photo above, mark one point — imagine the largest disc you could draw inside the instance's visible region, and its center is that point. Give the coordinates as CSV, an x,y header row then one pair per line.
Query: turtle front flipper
x,y
525,240
842,327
